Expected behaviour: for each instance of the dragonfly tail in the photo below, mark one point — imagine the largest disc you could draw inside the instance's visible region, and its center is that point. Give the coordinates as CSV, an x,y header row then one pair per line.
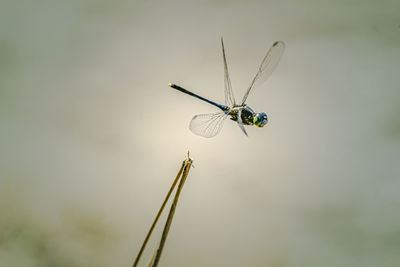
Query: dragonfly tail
x,y
183,90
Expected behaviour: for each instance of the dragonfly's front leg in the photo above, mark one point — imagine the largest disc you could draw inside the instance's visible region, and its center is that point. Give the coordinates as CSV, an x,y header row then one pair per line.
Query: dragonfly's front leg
x,y
240,122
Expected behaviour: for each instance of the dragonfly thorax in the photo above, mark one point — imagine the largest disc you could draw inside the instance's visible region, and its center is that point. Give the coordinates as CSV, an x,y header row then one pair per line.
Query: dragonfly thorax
x,y
246,114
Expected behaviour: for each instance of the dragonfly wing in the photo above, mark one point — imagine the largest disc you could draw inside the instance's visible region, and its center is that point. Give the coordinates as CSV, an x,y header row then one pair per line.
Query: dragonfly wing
x,y
207,125
267,66
242,128
229,98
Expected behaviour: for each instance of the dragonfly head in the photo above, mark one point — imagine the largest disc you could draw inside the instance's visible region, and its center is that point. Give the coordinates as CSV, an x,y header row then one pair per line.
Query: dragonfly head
x,y
260,119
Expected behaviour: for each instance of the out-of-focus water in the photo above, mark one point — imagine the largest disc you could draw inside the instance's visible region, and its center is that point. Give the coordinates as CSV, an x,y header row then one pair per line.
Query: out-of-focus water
x,y
91,136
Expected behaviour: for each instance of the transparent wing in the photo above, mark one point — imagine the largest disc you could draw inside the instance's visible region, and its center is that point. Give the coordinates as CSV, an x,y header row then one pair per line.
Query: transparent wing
x,y
229,98
207,125
267,65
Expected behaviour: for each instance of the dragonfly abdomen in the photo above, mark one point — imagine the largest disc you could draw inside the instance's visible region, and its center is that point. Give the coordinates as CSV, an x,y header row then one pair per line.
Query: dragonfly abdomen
x,y
183,90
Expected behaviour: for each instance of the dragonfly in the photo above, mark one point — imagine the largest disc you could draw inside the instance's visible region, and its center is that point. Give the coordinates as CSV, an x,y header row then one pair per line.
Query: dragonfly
x,y
209,125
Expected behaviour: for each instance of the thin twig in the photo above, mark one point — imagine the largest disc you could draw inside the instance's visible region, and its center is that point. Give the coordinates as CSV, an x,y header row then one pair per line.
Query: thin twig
x,y
187,164
152,259
158,214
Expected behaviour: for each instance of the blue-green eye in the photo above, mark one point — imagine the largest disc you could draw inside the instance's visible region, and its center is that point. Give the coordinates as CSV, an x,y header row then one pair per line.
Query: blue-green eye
x,y
260,119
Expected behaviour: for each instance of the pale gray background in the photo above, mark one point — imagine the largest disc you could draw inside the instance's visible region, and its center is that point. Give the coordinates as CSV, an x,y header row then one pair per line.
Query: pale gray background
x,y
91,136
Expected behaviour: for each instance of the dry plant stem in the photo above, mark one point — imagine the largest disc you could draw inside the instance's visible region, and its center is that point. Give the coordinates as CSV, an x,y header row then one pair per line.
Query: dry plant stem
x,y
187,164
152,259
158,214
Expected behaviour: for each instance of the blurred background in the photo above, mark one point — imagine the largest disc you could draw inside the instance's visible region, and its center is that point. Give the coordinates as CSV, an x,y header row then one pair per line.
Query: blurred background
x,y
91,136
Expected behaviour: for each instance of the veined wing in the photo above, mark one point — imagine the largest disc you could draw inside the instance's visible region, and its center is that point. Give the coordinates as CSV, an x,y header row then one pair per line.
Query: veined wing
x,y
207,125
229,98
267,65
